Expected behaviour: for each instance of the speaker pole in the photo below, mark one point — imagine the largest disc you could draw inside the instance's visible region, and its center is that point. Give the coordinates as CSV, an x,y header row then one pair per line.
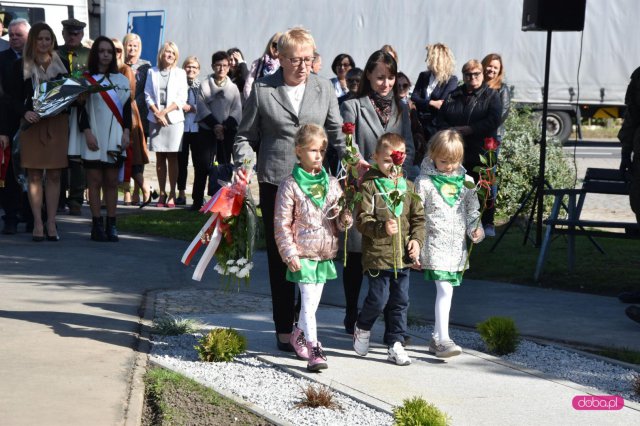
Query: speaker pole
x,y
543,144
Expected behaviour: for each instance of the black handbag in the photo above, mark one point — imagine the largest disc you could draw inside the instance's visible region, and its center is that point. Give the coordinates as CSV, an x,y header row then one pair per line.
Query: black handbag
x,y
219,173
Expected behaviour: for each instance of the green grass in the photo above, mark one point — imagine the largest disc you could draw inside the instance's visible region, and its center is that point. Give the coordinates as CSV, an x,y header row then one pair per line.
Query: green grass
x,y
624,355
160,383
180,224
609,274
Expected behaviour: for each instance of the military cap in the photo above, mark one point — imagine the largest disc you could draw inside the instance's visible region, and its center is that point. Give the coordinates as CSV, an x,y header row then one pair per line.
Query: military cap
x,y
73,24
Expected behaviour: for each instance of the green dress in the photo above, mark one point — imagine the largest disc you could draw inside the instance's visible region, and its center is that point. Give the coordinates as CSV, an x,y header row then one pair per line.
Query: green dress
x,y
315,187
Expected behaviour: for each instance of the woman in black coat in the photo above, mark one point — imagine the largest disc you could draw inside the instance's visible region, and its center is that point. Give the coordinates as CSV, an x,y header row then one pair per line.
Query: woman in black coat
x,y
434,85
474,110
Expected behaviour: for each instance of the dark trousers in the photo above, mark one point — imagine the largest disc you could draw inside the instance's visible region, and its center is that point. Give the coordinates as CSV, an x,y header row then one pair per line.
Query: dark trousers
x,y
203,152
189,139
14,201
73,180
225,148
391,295
283,292
634,190
352,282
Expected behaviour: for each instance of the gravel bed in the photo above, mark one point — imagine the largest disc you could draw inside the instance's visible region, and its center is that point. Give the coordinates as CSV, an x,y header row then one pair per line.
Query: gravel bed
x,y
557,362
263,384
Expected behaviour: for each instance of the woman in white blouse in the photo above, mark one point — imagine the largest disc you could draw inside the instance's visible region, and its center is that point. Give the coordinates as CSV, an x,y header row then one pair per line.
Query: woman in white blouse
x,y
166,93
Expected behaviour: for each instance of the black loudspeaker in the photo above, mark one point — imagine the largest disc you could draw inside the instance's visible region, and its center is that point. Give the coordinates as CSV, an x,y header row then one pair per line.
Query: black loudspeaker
x,y
553,15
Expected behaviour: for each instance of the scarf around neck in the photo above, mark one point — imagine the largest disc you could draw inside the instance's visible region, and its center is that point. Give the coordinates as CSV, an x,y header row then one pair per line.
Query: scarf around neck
x,y
385,186
315,186
449,187
382,105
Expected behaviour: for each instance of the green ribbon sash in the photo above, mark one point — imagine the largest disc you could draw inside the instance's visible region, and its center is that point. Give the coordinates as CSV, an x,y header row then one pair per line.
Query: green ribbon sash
x,y
386,186
449,187
314,186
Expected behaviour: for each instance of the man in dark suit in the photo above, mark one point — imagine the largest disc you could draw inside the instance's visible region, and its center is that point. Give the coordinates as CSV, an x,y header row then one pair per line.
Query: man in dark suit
x,y
11,196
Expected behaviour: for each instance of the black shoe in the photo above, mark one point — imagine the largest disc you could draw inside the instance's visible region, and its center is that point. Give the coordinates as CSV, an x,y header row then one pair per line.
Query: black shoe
x,y
633,312
181,201
629,297
110,229
97,230
285,347
195,207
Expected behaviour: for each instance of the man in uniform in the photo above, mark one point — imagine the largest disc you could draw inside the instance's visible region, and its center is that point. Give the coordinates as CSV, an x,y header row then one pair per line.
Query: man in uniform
x,y
78,57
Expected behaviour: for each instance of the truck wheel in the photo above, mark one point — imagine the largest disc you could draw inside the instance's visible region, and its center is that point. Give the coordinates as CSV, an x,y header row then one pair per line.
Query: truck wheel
x,y
559,125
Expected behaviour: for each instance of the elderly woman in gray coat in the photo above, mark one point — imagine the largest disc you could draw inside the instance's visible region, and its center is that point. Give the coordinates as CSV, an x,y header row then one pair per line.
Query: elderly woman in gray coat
x,y
278,106
377,110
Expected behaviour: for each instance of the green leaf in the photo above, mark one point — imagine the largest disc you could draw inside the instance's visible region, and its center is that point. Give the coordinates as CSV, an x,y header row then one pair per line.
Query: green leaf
x,y
483,160
478,169
469,184
415,197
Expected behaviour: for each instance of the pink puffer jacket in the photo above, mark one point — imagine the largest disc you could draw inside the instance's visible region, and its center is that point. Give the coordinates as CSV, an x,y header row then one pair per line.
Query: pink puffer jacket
x,y
301,228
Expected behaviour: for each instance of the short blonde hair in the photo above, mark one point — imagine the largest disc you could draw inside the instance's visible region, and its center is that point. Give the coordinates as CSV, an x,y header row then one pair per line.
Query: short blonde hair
x,y
295,37
446,145
131,37
309,133
389,140
441,62
168,45
387,48
190,60
472,64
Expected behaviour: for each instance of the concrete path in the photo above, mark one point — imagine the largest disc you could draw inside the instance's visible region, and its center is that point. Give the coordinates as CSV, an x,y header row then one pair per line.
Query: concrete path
x,y
474,388
69,322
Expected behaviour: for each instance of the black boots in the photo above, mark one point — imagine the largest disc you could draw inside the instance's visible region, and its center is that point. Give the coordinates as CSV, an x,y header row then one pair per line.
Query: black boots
x,y
97,230
100,232
112,232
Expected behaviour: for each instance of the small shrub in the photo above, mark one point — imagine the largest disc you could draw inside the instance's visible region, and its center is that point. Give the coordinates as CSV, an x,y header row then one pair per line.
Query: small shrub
x,y
221,345
499,334
314,397
173,326
519,159
418,412
635,384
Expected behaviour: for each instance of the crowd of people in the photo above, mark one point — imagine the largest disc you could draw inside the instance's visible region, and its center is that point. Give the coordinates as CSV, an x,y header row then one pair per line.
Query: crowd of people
x,y
278,114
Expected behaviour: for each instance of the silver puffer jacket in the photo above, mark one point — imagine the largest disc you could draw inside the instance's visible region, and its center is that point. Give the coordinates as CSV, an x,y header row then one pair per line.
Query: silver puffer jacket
x,y
301,228
445,247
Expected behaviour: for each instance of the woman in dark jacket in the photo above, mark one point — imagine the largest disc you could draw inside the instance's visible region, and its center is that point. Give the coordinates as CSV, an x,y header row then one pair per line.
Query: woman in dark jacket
x,y
434,85
474,110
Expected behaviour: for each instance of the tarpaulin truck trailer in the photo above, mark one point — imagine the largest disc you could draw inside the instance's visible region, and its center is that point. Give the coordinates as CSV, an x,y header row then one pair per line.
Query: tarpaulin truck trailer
x,y
53,12
589,70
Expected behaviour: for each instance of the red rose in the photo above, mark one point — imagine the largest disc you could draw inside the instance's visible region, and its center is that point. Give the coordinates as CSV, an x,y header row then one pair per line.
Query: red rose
x,y
398,157
491,144
348,128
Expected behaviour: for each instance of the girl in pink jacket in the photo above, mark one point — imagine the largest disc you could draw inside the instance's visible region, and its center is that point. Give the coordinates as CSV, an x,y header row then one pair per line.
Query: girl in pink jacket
x,y
307,222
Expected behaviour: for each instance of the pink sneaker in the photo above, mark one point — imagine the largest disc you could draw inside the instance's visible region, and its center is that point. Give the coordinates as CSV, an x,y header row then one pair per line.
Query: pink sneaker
x,y
299,343
317,358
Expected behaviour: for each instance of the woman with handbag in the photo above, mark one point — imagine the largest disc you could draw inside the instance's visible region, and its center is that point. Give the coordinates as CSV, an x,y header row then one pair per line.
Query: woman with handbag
x,y
45,141
166,93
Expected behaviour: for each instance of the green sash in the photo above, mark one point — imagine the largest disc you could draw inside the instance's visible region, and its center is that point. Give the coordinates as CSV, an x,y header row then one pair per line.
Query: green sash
x,y
314,186
386,186
448,187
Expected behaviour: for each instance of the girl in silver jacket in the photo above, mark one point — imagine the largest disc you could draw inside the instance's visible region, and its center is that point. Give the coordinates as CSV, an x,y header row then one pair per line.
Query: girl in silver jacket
x,y
307,220
452,213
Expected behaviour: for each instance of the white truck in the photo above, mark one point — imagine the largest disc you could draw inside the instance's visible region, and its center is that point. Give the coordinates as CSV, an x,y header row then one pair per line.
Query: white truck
x,y
53,12
589,70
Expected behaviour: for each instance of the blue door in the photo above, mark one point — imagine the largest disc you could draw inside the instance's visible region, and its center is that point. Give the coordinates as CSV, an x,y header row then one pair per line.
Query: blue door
x,y
149,25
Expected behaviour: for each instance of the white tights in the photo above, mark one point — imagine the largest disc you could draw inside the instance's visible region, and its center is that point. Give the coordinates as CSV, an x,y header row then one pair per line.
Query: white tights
x,y
444,294
311,294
